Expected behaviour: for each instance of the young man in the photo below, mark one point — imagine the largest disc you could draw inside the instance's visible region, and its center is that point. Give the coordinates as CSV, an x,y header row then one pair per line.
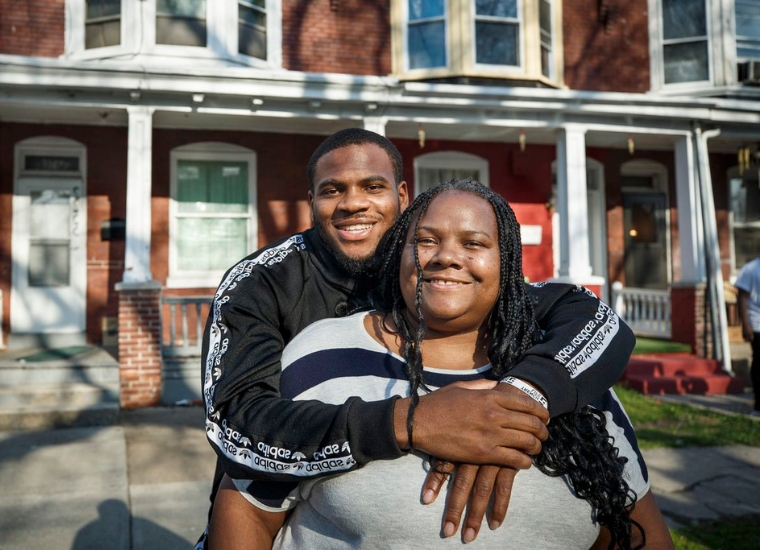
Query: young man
x,y
356,193
748,285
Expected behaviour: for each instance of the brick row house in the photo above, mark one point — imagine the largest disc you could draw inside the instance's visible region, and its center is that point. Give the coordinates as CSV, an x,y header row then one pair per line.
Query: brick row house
x,y
147,145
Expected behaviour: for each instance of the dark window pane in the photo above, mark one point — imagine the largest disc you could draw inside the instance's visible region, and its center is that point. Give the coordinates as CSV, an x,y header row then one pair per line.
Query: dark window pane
x,y
748,18
496,44
427,45
252,16
545,16
496,8
180,32
50,163
421,9
686,62
683,18
746,245
102,8
49,264
546,68
184,8
252,41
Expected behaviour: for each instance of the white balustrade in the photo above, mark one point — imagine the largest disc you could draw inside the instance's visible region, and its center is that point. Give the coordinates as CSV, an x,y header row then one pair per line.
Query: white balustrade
x,y
646,311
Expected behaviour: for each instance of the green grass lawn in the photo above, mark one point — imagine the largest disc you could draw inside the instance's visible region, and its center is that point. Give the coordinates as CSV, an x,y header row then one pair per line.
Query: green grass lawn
x,y
661,424
741,533
653,345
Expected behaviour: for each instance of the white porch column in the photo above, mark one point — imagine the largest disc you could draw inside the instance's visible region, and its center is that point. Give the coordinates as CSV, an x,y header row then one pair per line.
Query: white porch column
x,y
139,161
375,124
690,231
572,206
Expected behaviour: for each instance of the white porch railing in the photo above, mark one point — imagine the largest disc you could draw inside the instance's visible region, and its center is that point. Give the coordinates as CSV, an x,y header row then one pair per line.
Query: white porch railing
x,y
183,312
647,312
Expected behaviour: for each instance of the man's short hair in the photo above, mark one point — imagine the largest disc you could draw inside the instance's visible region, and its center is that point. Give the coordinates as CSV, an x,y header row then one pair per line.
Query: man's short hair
x,y
356,136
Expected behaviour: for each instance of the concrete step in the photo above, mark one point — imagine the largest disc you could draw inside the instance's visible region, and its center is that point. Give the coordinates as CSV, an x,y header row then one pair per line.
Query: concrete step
x,y
57,395
51,406
48,418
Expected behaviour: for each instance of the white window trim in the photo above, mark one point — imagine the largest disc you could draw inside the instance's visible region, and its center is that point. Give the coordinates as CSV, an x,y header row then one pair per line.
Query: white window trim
x,y
405,41
460,50
721,48
210,151
222,33
450,160
520,22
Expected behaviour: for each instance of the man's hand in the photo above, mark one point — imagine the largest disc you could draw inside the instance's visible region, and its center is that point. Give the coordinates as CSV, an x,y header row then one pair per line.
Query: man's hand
x,y
466,423
476,483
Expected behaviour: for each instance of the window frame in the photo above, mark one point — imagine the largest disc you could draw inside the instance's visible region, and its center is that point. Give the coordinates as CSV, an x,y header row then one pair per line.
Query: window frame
x,y
460,44
519,21
214,152
221,32
721,48
450,160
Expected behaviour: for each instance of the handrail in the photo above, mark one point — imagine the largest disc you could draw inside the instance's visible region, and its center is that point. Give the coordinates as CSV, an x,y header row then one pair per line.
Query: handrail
x,y
191,311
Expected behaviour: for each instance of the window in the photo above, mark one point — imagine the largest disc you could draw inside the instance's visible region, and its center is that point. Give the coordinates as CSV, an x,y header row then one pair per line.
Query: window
x,y
239,32
252,28
744,201
497,32
441,166
515,39
747,29
102,23
547,45
213,207
181,22
685,41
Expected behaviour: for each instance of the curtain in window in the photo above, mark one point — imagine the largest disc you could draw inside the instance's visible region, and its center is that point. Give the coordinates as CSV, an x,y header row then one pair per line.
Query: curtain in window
x,y
213,214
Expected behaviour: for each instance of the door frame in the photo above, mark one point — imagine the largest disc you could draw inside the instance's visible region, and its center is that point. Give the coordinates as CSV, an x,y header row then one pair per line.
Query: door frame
x,y
659,174
48,146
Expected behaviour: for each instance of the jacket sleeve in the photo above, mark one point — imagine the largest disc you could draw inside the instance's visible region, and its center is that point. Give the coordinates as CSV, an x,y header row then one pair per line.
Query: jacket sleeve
x,y
583,350
256,433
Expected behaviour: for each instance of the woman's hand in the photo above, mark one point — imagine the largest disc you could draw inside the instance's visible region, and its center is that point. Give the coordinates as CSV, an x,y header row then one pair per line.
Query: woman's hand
x,y
478,484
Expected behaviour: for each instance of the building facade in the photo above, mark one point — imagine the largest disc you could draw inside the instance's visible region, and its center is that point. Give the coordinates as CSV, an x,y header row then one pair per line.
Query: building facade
x,y
147,145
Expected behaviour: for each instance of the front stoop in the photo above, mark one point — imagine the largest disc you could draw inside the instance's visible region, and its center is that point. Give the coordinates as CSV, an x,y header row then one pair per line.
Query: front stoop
x,y
80,391
673,373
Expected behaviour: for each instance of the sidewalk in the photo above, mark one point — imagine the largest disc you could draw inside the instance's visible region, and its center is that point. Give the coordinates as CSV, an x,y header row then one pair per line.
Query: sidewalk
x,y
144,484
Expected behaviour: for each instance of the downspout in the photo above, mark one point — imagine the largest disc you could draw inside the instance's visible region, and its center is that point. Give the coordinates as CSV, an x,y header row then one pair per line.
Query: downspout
x,y
721,346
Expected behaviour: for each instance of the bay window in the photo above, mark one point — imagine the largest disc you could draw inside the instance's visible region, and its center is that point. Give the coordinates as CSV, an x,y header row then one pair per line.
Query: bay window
x,y
240,31
494,39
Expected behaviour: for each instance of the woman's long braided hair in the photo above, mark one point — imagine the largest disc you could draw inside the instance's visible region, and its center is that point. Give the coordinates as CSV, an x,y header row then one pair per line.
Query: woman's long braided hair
x,y
578,445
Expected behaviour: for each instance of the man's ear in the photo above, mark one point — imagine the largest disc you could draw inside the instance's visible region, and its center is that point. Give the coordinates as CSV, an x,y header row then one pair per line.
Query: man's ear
x,y
403,195
311,199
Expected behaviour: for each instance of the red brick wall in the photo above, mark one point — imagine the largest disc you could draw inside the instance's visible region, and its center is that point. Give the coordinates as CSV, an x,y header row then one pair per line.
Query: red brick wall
x,y
606,45
337,36
139,348
32,27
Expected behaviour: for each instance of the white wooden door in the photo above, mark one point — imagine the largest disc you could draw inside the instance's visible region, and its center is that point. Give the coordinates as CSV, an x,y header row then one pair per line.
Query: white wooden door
x,y
49,274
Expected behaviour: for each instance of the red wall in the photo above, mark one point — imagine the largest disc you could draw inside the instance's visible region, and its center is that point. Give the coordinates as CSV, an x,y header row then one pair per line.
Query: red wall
x,y
337,36
606,45
32,27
